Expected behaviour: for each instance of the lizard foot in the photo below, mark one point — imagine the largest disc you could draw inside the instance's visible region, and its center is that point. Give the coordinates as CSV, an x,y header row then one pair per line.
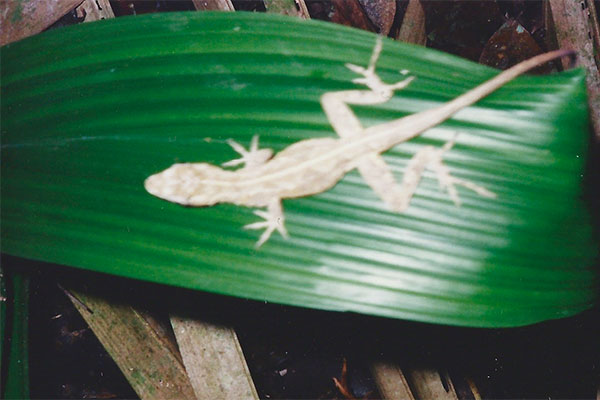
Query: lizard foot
x,y
273,220
252,157
370,77
398,197
449,182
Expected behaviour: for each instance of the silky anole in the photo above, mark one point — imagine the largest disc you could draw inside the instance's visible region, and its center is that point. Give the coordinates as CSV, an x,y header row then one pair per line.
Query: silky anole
x,y
313,166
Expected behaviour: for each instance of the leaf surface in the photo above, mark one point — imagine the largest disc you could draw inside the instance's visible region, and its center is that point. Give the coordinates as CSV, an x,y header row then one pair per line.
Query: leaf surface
x,y
89,112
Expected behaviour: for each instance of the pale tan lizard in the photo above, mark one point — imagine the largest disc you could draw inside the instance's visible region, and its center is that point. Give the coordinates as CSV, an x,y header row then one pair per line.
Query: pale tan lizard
x,y
313,166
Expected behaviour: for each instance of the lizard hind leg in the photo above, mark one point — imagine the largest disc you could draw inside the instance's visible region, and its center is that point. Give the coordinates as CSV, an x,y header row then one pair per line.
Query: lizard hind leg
x,y
432,158
273,220
251,158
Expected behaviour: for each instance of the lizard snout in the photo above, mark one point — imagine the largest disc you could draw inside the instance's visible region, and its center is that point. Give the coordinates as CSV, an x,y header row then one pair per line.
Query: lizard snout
x,y
191,184
169,184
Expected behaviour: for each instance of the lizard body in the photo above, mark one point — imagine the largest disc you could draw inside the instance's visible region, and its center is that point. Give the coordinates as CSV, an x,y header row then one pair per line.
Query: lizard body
x,y
313,166
296,171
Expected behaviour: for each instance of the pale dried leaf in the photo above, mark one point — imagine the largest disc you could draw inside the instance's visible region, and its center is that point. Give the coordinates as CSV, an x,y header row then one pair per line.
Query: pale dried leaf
x,y
390,381
213,359
295,8
94,10
151,368
428,383
207,5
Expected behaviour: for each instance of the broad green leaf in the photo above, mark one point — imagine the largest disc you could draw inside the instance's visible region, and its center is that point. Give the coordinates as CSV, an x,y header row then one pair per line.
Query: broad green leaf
x,y
89,112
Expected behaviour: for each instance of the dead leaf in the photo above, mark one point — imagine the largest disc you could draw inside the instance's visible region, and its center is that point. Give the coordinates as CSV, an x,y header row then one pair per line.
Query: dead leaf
x,y
94,10
510,45
20,19
342,383
350,13
381,14
294,8
207,5
412,29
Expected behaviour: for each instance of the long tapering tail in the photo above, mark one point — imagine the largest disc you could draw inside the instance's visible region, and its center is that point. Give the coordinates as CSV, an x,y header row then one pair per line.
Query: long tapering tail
x,y
382,137
498,81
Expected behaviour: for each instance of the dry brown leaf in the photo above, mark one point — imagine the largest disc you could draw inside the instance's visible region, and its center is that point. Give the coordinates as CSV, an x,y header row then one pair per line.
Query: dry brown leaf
x,y
412,29
381,14
20,19
511,44
350,13
342,383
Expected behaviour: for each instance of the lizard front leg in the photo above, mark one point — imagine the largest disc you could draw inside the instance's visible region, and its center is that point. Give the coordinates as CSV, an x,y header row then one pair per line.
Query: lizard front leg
x,y
273,216
335,104
273,220
251,158
380,91
372,167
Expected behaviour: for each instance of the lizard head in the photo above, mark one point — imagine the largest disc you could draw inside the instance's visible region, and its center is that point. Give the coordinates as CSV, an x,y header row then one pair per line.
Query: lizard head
x,y
190,184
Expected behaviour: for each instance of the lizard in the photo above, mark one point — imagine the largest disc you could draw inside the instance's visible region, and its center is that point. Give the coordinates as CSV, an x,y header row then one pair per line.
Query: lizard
x,y
312,166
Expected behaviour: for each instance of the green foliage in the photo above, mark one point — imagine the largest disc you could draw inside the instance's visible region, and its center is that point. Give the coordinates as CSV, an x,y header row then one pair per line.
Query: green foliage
x,y
88,112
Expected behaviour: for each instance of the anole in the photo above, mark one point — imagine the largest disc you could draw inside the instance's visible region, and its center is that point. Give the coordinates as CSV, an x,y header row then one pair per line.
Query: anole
x,y
313,166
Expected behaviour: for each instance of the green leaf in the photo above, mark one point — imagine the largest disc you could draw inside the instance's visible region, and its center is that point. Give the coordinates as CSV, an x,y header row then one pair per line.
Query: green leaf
x,y
89,112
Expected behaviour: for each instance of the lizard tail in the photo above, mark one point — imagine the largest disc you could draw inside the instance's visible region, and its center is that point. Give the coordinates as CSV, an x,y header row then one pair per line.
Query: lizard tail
x,y
472,96
383,136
